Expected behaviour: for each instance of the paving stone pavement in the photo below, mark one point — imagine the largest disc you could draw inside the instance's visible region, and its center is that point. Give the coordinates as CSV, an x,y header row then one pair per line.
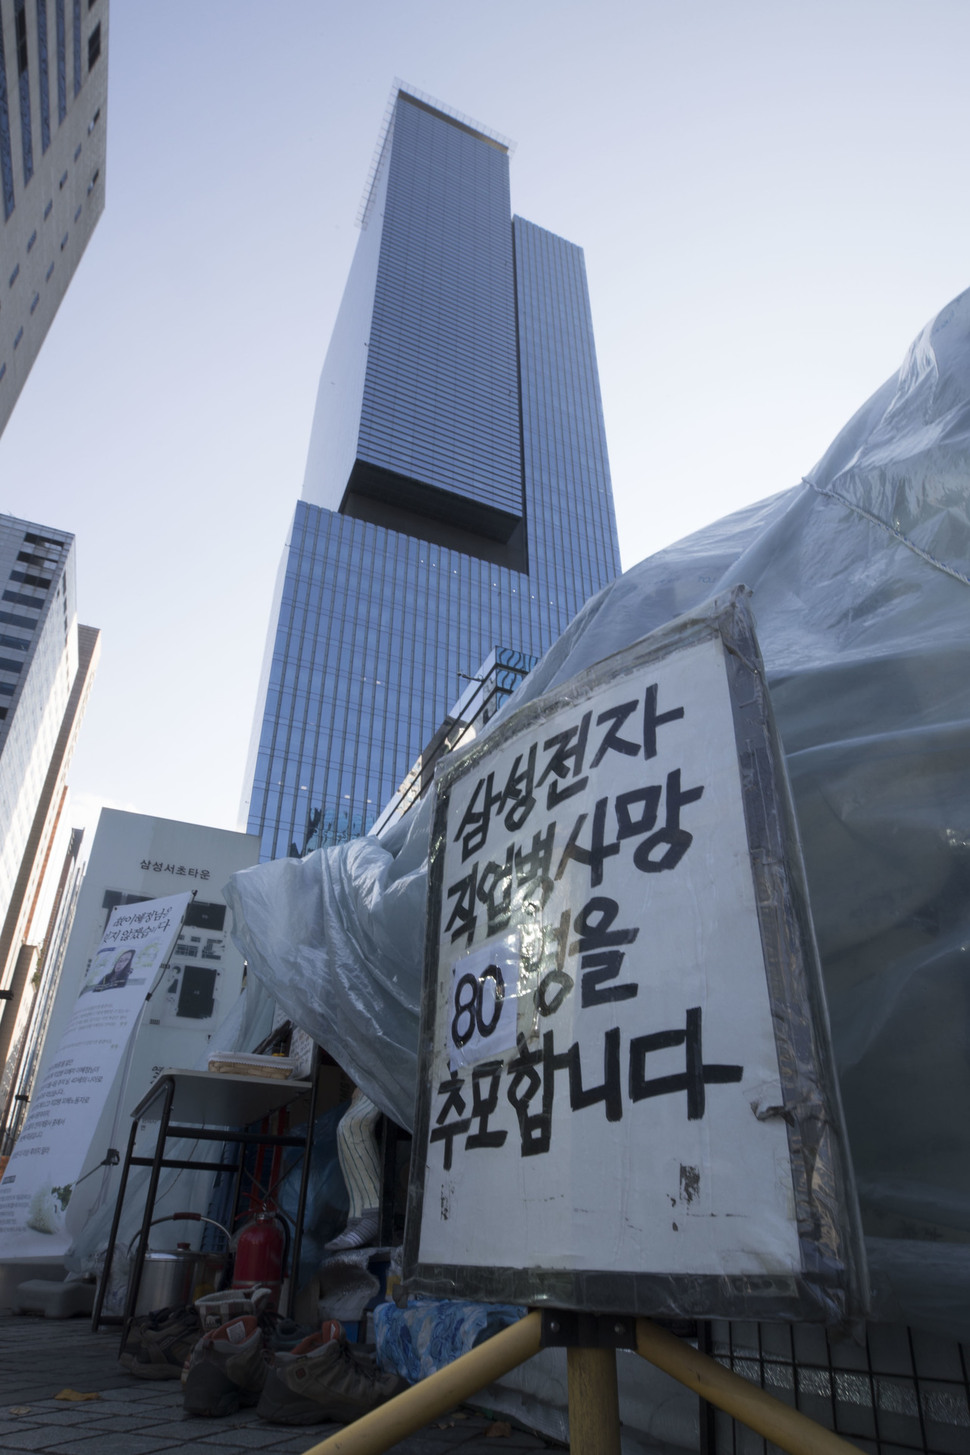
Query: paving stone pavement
x,y
40,1357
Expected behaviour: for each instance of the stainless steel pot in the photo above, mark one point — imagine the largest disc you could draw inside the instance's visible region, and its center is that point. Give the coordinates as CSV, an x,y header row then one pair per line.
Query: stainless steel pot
x,y
178,1275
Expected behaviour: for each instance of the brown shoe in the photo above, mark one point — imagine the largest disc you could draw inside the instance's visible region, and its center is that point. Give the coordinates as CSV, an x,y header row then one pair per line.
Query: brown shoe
x,y
319,1382
158,1346
226,1369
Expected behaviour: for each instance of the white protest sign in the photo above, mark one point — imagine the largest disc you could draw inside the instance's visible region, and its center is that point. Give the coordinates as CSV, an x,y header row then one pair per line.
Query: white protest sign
x,y
633,1121
36,1188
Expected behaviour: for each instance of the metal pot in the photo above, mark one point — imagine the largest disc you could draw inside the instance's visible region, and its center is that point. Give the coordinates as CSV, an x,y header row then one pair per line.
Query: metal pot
x,y
180,1275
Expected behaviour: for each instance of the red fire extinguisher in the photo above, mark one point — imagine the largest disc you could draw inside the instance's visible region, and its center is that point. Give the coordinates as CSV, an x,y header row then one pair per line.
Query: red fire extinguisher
x,y
259,1254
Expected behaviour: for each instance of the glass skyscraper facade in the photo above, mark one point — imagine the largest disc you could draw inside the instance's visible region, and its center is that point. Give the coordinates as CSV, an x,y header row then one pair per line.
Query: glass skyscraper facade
x,y
457,495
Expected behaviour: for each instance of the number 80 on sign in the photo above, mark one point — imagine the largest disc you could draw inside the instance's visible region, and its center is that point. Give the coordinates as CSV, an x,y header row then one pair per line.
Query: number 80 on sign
x,y
483,1002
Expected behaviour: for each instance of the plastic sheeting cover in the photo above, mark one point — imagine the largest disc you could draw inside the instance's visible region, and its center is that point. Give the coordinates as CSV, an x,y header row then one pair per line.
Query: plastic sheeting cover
x,y
338,939
859,579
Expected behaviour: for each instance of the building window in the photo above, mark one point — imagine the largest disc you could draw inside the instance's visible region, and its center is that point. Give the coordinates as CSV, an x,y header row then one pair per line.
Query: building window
x,y
3,370
34,302
94,181
23,84
45,95
6,155
94,121
32,239
61,61
76,8
94,45
205,916
16,344
77,153
6,665
14,275
41,582
20,27
64,242
77,214
11,619
47,275
47,210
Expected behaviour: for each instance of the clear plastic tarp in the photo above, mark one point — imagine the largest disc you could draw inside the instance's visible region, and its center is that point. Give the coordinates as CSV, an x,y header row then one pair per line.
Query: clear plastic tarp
x,y
859,579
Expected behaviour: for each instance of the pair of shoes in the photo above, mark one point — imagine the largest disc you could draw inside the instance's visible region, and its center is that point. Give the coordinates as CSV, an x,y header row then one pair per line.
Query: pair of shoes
x,y
320,1379
227,1367
359,1233
158,1343
324,1380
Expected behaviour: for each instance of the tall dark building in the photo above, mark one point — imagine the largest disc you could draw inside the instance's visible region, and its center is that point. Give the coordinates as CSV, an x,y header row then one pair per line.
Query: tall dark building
x,y
457,494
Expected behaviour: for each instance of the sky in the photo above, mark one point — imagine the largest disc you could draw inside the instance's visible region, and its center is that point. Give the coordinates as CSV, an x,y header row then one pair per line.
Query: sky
x,y
772,202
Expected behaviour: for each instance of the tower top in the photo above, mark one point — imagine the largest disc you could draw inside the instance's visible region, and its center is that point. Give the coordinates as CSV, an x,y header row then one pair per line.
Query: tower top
x,y
400,90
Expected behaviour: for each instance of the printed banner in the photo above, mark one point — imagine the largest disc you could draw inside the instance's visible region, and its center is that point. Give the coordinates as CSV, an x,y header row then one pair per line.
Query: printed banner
x,y
36,1188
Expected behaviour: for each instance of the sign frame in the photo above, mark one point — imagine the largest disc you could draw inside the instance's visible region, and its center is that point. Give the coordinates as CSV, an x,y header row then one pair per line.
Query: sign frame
x,y
827,1282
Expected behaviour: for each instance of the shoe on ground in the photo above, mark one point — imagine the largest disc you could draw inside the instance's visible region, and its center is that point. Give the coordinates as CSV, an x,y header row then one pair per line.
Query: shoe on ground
x,y
324,1380
158,1345
359,1233
284,1335
226,1369
216,1309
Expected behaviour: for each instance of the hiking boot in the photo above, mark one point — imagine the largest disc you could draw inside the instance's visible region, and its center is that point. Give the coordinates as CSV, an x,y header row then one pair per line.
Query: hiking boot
x,y
324,1380
158,1346
226,1369
284,1335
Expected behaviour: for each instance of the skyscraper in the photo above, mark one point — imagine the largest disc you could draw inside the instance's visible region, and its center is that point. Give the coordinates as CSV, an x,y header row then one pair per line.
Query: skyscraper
x,y
47,666
457,493
53,113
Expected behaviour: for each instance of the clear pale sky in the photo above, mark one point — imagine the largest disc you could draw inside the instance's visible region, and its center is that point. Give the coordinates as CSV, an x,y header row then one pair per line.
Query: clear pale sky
x,y
772,199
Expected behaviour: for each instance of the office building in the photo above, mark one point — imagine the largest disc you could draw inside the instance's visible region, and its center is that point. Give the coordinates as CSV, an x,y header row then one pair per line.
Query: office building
x,y
135,857
27,1035
457,494
53,112
47,665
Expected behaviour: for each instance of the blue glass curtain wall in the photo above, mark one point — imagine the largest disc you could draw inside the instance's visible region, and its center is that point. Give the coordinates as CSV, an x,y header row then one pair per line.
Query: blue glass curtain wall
x,y
472,311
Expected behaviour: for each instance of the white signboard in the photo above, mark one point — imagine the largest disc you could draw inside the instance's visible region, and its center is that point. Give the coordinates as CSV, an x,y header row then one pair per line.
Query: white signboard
x,y
603,1096
36,1188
